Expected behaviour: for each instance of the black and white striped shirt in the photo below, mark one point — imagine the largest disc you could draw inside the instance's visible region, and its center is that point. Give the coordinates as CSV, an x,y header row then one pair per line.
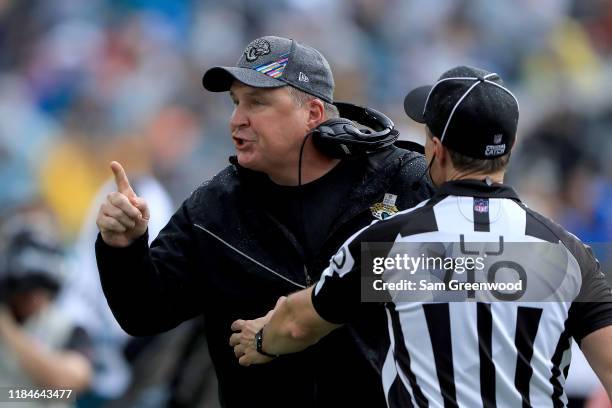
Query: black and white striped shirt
x,y
472,354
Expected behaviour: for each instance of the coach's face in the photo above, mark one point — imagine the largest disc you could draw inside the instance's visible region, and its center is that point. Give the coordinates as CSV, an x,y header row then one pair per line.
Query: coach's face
x,y
267,128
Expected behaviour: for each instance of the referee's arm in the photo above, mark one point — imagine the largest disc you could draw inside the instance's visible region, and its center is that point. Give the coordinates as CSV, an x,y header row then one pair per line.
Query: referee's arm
x,y
598,352
295,325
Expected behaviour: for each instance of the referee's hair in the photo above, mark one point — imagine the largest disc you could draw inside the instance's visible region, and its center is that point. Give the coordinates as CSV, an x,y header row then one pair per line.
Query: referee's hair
x,y
465,163
301,97
472,165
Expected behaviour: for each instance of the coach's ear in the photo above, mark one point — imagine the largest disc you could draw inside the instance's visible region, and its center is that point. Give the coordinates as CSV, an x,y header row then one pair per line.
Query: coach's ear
x,y
316,113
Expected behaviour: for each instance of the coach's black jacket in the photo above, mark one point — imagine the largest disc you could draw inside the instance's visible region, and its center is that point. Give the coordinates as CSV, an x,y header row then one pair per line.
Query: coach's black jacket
x,y
223,256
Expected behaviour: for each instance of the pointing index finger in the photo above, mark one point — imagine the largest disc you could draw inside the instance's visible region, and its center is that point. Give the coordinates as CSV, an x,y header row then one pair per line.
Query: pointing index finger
x,y
123,184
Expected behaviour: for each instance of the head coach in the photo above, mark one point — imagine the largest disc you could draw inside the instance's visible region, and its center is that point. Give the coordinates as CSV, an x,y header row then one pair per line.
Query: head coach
x,y
509,352
263,227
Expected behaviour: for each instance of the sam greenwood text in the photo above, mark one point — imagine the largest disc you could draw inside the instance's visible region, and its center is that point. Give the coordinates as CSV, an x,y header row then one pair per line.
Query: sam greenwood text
x,y
452,285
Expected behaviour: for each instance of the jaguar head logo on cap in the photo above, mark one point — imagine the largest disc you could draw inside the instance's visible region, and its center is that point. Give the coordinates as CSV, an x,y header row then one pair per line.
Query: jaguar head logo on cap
x,y
256,49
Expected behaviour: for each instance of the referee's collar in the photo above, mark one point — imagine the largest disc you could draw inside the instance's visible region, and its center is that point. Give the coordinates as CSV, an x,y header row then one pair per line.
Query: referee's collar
x,y
478,188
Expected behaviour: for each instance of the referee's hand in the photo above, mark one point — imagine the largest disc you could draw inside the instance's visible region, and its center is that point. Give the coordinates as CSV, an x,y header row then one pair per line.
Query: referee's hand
x,y
124,216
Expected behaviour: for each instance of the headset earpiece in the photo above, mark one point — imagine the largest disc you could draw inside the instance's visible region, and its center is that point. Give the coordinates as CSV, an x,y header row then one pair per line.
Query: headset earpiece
x,y
341,137
325,138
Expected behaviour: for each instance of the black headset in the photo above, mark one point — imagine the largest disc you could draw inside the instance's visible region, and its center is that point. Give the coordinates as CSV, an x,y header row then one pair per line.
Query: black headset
x,y
341,138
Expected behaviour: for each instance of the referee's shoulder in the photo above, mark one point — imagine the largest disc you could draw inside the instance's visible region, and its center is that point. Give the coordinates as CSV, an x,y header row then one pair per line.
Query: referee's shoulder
x,y
546,229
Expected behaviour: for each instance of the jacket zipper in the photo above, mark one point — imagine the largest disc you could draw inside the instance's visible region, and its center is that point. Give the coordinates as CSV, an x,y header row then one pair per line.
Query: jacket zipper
x,y
307,275
249,257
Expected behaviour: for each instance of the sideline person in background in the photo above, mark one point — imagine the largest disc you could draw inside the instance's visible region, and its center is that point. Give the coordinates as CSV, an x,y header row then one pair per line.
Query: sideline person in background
x,y
40,347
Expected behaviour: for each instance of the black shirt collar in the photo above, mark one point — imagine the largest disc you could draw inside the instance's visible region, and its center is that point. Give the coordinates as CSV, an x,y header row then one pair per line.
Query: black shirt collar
x,y
477,188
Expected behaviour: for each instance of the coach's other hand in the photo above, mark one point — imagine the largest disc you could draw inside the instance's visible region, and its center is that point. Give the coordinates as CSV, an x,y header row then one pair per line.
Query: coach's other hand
x,y
124,216
243,340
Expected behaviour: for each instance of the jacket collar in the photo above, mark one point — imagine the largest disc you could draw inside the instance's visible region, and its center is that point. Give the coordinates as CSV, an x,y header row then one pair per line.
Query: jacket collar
x,y
477,188
371,184
380,167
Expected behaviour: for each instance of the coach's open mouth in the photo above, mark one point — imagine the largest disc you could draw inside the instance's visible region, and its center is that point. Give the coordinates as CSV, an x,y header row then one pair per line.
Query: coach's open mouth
x,y
240,142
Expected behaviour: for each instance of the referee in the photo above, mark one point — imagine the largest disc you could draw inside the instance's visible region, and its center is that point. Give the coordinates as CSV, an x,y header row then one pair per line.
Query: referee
x,y
484,349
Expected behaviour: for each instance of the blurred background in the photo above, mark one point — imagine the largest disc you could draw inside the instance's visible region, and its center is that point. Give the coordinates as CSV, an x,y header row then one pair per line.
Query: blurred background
x,y
86,82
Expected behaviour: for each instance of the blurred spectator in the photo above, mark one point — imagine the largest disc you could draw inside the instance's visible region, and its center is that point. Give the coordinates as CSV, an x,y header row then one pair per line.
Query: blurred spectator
x,y
40,347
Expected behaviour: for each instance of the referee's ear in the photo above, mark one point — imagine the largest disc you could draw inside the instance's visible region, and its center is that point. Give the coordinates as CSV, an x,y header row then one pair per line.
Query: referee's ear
x,y
439,151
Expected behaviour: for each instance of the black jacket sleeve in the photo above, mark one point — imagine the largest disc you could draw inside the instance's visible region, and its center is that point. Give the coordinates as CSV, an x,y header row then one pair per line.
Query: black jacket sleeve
x,y
151,290
336,297
592,309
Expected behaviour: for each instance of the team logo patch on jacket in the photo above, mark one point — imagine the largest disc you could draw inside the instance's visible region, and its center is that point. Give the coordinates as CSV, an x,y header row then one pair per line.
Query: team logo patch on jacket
x,y
385,209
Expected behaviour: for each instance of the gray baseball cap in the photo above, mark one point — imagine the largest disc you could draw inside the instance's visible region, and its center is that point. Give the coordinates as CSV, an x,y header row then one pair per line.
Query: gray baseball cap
x,y
272,62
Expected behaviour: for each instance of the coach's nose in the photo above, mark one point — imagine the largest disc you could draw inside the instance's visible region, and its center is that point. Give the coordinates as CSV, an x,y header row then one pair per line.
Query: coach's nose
x,y
238,119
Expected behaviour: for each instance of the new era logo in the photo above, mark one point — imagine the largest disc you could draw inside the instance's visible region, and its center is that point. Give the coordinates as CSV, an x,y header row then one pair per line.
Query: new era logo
x,y
302,77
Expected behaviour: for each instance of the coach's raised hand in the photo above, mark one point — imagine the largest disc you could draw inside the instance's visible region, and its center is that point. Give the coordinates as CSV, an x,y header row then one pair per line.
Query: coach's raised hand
x,y
124,216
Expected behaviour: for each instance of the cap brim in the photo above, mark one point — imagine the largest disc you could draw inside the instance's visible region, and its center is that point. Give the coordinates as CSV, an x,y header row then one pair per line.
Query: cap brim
x,y
220,79
414,103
